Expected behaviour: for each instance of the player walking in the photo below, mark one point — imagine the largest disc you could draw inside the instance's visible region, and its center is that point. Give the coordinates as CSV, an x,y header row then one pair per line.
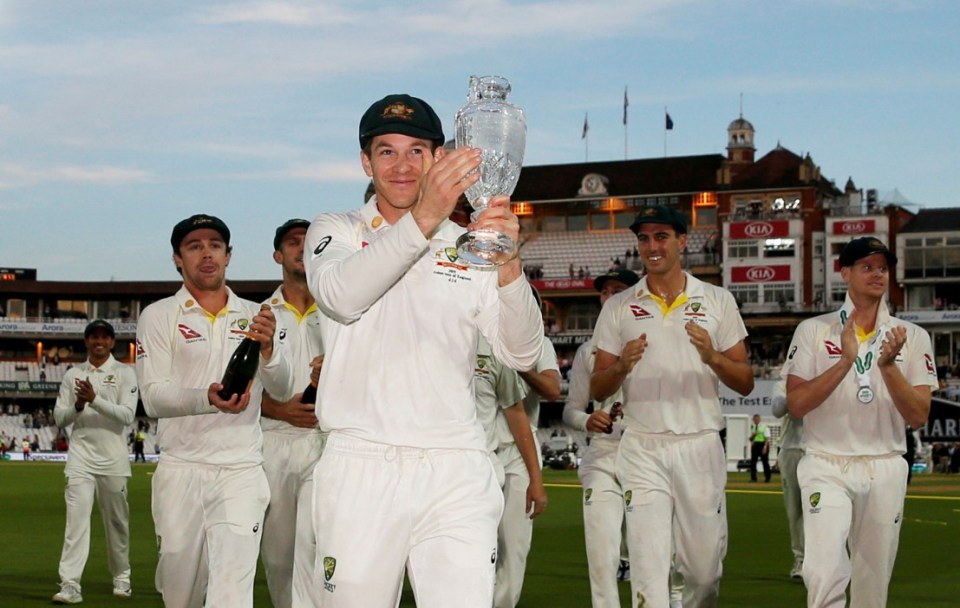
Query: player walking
x,y
99,398
857,377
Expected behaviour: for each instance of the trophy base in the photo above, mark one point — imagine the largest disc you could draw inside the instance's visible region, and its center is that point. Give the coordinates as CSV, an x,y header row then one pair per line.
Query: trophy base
x,y
485,248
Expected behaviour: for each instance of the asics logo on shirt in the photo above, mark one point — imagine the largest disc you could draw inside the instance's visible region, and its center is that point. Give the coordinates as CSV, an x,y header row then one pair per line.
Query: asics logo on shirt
x,y
321,245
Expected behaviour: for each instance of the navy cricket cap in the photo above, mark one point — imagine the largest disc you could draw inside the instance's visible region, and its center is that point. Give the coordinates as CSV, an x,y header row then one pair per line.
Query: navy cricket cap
x,y
660,214
198,222
401,114
94,325
287,227
865,246
627,277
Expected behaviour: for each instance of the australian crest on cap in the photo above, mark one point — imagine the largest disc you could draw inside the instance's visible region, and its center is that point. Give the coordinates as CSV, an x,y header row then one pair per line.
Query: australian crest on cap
x,y
649,211
398,109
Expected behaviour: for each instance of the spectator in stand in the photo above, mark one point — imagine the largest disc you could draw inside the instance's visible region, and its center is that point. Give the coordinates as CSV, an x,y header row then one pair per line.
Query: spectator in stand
x,y
571,270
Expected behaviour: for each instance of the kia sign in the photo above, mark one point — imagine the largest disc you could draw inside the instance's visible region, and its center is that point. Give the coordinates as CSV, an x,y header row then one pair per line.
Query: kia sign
x,y
759,230
760,274
855,227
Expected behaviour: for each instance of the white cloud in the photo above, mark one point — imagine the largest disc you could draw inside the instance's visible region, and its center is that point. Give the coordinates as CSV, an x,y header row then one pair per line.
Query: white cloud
x,y
275,13
13,175
343,172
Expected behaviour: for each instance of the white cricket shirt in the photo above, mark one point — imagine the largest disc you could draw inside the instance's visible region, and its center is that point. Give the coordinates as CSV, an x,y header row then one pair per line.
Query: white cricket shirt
x,y
497,387
181,351
300,337
98,445
842,425
670,390
578,395
405,316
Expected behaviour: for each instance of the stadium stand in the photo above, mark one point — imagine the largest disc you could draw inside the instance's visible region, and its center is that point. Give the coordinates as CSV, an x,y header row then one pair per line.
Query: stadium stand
x,y
554,252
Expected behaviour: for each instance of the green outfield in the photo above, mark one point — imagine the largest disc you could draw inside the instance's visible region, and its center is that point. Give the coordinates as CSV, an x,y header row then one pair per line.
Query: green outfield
x,y
927,572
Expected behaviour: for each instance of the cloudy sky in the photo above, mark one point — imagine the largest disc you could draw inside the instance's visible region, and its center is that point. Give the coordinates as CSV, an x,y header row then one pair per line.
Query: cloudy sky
x,y
118,118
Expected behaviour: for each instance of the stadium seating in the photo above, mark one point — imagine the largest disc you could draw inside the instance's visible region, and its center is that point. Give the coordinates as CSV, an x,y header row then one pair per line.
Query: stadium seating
x,y
553,252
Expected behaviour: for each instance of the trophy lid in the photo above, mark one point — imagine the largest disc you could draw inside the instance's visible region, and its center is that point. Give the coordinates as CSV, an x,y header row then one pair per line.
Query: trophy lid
x,y
488,87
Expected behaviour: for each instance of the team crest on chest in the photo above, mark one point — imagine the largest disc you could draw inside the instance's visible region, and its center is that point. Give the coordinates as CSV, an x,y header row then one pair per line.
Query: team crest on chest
x,y
447,266
695,309
329,567
239,326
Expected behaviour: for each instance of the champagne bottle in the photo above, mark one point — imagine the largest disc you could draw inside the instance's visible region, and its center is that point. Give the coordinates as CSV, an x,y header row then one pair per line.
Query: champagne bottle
x,y
241,369
309,394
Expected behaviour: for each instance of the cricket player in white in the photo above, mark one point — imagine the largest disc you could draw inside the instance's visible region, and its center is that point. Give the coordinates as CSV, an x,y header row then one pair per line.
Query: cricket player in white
x,y
603,509
499,393
209,489
99,398
791,451
668,341
405,479
515,532
857,377
292,441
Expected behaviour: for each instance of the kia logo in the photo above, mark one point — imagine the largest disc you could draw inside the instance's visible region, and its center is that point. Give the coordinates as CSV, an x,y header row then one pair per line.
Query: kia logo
x,y
760,274
852,227
759,229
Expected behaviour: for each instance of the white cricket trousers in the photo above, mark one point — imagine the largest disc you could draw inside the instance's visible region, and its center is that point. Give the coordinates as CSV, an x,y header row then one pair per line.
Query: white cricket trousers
x,y
856,503
208,521
111,495
673,493
787,461
379,508
515,531
288,545
603,512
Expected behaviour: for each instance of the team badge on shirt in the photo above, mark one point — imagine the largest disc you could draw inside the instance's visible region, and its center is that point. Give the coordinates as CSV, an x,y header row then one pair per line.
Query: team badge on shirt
x,y
814,501
329,567
627,499
483,365
447,265
587,495
694,309
110,379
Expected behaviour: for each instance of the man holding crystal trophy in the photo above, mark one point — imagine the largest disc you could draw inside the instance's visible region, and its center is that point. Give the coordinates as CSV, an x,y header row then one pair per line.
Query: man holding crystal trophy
x,y
856,377
405,480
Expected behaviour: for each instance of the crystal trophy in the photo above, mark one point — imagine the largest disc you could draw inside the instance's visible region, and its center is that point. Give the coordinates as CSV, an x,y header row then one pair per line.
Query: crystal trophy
x,y
498,128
